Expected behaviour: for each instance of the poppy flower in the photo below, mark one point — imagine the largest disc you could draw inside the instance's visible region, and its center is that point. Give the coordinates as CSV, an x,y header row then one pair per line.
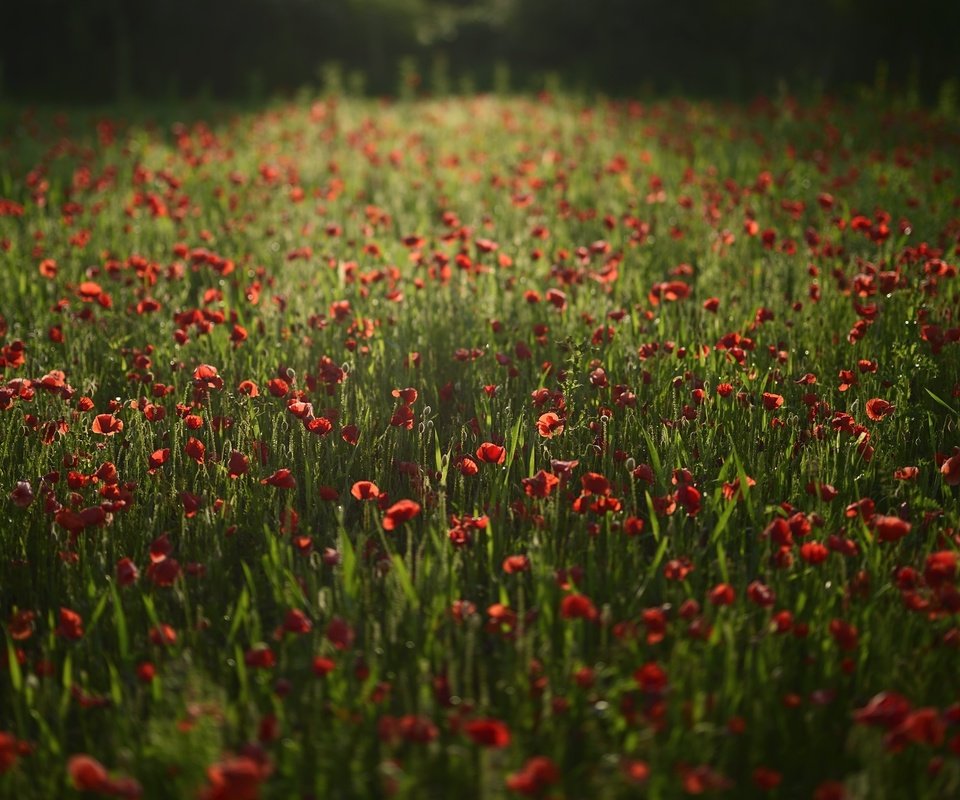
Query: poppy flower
x,y
295,621
106,425
22,494
878,408
340,634
323,666
365,490
127,572
577,606
889,529
722,594
71,624
517,563
950,470
206,377
467,466
87,774
400,512
549,425
651,677
237,464
282,479
195,449
235,778
537,774
488,732
540,485
772,401
594,483
491,453
407,396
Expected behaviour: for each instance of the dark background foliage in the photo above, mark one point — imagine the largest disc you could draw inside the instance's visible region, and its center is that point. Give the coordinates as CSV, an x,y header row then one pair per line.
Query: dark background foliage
x,y
103,50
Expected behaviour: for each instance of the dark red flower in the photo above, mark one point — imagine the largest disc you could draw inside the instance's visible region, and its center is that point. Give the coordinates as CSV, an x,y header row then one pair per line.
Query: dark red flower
x,y
488,732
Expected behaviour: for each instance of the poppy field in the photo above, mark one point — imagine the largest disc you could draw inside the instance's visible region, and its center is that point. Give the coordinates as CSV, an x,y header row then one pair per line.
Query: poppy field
x,y
481,447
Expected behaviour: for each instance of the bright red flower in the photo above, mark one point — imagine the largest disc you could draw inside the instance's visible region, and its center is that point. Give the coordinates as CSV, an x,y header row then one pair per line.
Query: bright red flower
x,y
206,377
491,453
877,409
400,512
365,490
549,425
106,425
158,458
407,396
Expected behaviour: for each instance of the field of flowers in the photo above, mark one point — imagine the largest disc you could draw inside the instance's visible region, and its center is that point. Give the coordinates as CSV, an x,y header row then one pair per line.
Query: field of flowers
x,y
480,448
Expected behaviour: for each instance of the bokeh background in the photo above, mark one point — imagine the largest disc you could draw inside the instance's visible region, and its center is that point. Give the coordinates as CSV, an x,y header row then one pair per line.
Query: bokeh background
x,y
82,51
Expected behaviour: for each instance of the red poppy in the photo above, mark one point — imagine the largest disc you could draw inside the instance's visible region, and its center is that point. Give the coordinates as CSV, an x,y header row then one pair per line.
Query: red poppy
x,y
206,377
295,621
878,408
651,677
323,666
22,494
365,490
87,774
517,563
407,396
549,425
491,453
722,595
950,470
106,424
282,479
400,512
578,606
488,732
595,483
538,773
127,572
467,466
772,401
195,449
236,778
237,464
889,529
71,624
540,485
340,634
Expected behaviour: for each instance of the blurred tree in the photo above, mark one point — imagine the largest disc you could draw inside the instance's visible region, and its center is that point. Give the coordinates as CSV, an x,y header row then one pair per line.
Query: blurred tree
x,y
98,50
